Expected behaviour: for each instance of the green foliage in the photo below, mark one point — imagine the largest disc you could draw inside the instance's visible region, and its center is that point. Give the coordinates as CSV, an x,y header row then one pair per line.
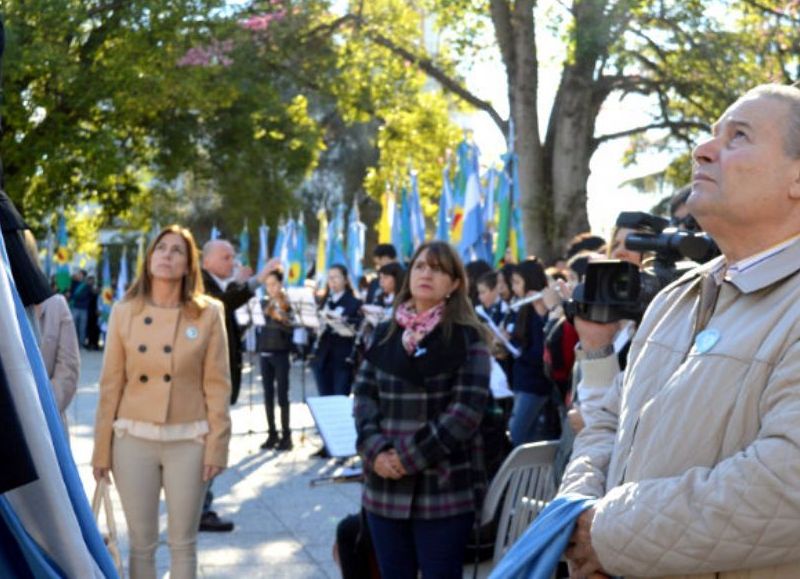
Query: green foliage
x,y
415,137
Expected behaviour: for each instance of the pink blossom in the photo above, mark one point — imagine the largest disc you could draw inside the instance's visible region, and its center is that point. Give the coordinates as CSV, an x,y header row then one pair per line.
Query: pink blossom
x,y
214,54
260,22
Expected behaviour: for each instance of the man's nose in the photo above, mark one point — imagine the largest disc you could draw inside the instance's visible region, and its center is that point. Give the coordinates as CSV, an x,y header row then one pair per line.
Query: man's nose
x,y
706,151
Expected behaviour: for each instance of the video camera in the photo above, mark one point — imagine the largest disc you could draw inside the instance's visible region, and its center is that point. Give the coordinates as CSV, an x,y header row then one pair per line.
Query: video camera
x,y
617,290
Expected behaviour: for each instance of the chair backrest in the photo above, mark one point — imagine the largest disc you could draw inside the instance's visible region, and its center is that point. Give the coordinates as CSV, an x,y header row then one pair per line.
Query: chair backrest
x,y
525,485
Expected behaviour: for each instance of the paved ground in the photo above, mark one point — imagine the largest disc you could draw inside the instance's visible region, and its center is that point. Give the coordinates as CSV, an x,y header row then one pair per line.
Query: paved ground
x,y
284,527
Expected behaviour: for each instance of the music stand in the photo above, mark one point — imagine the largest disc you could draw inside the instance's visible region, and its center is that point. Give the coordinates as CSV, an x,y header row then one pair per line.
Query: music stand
x,y
306,318
251,316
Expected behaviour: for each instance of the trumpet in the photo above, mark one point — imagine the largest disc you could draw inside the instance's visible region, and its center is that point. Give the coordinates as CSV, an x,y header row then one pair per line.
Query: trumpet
x,y
515,306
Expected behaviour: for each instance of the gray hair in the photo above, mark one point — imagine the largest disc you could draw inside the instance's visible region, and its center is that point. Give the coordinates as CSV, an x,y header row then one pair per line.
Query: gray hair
x,y
212,244
790,95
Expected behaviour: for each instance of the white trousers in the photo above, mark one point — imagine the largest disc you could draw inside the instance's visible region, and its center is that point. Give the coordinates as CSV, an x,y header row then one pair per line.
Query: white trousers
x,y
141,468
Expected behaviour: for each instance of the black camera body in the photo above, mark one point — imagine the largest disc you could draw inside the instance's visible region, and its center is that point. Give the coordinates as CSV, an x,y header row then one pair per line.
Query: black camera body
x,y
617,290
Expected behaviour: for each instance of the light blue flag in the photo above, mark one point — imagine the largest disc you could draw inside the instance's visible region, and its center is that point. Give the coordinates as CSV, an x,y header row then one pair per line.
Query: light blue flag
x,y
397,230
298,257
280,240
356,241
535,555
122,276
244,245
41,565
489,198
263,246
214,233
335,251
445,208
417,218
472,230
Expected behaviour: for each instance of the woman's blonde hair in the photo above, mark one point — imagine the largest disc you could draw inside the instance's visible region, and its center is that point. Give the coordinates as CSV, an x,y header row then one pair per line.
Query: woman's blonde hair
x,y
192,289
458,308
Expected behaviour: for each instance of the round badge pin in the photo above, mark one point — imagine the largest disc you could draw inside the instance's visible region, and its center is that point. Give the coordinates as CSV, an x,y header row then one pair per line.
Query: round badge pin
x,y
706,340
191,332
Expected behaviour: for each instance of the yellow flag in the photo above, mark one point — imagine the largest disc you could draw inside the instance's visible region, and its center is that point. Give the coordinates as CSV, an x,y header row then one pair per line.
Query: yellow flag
x,y
322,246
387,216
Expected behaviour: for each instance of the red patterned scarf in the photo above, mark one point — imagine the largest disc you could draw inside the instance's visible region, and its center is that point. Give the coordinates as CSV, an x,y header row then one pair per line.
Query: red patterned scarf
x,y
417,326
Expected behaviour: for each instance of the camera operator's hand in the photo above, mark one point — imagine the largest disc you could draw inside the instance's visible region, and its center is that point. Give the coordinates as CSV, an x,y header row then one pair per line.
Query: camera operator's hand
x,y
595,336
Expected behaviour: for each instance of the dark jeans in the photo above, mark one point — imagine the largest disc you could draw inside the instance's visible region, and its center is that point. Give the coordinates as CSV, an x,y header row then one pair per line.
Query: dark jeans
x,y
275,369
333,376
525,425
435,547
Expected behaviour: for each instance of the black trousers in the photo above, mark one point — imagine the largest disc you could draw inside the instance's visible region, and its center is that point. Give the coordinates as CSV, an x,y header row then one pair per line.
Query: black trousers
x,y
275,372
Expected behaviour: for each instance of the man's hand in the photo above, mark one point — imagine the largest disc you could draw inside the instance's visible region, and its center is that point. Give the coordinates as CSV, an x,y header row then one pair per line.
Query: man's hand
x,y
384,466
582,560
575,420
243,273
272,265
595,336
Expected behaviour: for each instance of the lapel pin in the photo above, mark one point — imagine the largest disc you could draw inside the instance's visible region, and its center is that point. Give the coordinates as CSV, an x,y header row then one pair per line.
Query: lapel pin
x,y
192,333
706,340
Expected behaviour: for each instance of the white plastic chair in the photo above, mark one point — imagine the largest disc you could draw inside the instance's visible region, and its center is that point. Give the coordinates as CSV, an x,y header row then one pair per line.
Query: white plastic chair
x,y
526,476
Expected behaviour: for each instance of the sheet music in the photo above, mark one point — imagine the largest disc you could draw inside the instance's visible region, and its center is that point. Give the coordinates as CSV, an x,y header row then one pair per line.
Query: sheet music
x,y
333,416
337,324
496,331
374,314
305,307
250,313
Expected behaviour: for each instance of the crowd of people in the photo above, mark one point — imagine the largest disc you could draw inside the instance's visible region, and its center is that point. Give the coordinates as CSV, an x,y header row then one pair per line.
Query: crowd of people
x,y
676,422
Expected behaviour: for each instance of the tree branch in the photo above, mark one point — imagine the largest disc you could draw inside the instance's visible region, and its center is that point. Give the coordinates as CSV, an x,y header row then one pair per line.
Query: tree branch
x,y
769,10
428,67
673,125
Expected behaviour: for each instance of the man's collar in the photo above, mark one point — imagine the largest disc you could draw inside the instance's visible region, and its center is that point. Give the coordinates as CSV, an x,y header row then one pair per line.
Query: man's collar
x,y
222,283
762,269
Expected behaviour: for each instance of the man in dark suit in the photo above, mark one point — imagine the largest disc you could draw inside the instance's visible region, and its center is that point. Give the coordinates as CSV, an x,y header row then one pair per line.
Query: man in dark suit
x,y
233,289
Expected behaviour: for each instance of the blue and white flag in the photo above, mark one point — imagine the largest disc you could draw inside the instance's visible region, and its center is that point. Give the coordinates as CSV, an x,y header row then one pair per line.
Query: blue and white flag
x,y
122,276
356,236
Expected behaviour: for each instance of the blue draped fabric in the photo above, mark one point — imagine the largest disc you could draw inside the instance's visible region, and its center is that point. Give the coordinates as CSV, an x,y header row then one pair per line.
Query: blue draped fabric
x,y
69,472
20,556
537,552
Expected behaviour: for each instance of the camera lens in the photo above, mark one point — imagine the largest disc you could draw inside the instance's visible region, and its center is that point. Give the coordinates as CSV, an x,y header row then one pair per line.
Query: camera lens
x,y
620,287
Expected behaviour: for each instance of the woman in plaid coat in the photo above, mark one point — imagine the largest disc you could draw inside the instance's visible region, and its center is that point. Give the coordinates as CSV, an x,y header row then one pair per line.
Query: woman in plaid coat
x,y
419,400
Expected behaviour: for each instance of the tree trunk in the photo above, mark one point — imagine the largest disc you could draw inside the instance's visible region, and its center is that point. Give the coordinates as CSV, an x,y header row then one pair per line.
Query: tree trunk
x,y
514,29
569,147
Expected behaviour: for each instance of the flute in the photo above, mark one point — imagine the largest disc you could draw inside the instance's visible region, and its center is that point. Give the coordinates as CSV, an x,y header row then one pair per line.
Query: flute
x,y
515,306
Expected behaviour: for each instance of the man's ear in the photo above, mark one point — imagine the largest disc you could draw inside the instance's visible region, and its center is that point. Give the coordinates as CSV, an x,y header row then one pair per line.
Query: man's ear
x,y
794,188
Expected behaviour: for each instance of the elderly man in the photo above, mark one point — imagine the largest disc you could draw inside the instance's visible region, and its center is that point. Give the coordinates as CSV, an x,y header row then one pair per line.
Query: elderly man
x,y
233,291
219,259
695,454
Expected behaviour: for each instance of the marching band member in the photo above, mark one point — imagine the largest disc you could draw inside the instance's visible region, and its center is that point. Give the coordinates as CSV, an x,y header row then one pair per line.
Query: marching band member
x,y
531,386
331,368
390,280
274,344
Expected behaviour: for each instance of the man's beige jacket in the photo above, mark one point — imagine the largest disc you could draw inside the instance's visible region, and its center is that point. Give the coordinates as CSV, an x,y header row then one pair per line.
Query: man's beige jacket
x,y
696,453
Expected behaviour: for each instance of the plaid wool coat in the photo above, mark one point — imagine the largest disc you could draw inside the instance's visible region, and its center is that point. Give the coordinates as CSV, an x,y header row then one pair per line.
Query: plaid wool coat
x,y
427,406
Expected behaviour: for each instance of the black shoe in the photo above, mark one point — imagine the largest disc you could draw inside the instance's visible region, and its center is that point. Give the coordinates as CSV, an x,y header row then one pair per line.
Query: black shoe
x,y
271,441
285,443
211,522
321,453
